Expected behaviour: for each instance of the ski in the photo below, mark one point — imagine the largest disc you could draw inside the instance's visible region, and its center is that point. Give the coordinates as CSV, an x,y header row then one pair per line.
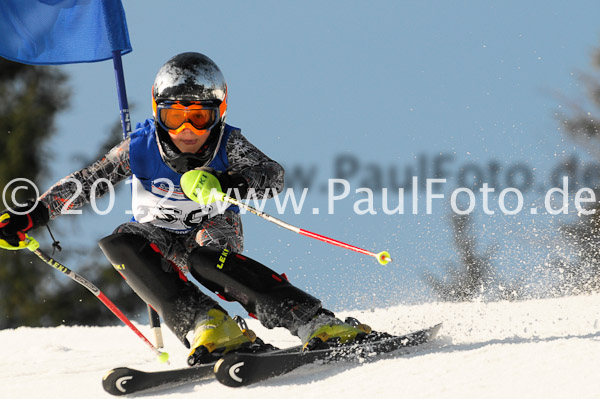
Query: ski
x,y
125,380
241,369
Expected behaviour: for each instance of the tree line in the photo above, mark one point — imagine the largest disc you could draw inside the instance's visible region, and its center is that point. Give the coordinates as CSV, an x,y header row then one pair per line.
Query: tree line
x,y
31,98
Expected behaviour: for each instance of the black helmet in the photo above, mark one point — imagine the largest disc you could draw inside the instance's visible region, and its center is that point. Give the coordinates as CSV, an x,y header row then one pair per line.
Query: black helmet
x,y
184,78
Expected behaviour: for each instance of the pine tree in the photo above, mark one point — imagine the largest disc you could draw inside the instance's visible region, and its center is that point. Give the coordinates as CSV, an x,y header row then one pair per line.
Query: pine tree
x,y
32,293
30,98
581,122
472,276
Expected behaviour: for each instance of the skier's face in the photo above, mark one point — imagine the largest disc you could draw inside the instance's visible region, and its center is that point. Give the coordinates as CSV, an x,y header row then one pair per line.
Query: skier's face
x,y
188,141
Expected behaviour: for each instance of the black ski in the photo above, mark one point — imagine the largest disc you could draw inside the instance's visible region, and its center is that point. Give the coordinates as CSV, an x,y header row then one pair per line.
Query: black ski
x,y
125,380
241,369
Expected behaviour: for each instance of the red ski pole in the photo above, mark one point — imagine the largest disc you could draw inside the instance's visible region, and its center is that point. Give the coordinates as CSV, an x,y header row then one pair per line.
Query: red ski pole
x,y
204,188
32,245
382,257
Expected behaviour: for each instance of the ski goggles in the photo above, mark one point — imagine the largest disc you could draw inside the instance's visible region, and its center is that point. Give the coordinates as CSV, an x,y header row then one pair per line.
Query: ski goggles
x,y
175,117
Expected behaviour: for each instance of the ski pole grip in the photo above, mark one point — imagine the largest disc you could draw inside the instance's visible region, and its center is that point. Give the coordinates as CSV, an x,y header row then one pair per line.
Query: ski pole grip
x,y
29,243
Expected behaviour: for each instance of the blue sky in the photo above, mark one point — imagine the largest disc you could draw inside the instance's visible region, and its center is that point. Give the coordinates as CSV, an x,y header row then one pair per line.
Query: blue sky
x,y
392,85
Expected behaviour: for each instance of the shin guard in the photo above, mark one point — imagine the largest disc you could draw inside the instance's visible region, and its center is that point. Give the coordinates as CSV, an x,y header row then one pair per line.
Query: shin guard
x,y
156,281
260,290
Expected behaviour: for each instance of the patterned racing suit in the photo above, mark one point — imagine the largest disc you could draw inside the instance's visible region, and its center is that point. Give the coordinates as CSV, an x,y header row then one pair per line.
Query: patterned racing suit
x,y
222,230
264,176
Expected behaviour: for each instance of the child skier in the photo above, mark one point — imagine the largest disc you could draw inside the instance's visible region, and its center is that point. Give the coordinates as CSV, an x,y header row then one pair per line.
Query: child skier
x,y
171,236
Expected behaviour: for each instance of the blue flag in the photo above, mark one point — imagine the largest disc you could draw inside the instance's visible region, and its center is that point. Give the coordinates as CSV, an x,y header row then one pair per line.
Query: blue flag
x,y
62,31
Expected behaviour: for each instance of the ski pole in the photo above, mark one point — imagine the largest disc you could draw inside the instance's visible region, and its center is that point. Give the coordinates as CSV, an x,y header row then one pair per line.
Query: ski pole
x,y
201,186
31,244
382,257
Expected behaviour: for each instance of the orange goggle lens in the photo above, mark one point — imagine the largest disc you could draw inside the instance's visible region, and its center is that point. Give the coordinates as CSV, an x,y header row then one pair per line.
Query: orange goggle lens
x,y
172,118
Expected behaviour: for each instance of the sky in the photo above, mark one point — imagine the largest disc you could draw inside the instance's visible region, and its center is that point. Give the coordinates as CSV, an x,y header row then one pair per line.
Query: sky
x,y
372,93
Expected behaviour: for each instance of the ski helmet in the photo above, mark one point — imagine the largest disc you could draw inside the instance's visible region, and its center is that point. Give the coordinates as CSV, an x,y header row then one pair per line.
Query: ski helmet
x,y
190,78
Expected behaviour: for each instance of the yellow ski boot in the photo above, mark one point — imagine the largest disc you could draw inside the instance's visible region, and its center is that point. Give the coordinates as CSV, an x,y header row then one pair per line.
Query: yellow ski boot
x,y
325,330
215,335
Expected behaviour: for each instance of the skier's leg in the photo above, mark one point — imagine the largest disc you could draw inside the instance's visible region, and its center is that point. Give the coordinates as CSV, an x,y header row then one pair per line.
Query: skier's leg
x,y
269,297
263,292
215,260
136,251
216,332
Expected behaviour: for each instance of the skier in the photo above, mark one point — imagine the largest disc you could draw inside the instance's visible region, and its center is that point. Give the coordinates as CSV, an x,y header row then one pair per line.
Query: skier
x,y
171,236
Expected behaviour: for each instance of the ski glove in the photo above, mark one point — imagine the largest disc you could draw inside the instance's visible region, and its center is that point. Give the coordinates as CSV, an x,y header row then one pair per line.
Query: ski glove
x,y
14,223
230,181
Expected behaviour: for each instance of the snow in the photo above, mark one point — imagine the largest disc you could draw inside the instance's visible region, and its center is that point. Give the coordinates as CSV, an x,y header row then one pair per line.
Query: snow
x,y
546,348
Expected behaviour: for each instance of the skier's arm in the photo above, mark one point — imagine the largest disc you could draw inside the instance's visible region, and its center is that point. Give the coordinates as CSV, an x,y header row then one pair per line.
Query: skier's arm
x,y
260,171
74,190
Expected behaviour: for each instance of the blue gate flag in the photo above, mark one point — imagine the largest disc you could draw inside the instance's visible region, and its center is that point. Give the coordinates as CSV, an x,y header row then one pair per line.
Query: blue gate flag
x,y
42,32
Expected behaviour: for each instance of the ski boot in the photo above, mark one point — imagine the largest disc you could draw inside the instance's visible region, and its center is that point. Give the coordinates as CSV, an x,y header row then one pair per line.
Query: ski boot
x,y
216,334
325,330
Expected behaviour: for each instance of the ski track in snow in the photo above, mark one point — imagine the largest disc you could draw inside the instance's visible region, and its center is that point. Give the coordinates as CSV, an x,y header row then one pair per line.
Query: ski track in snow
x,y
546,348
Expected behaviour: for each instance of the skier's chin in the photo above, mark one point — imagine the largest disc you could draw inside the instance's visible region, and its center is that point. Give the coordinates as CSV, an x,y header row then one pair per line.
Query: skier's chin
x,y
192,147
